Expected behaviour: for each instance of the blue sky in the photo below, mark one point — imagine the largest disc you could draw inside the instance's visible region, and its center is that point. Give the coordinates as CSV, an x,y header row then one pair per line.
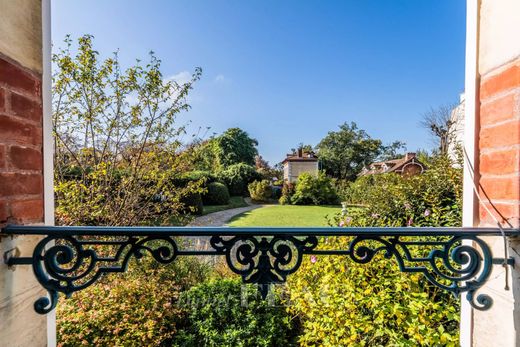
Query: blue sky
x,y
290,71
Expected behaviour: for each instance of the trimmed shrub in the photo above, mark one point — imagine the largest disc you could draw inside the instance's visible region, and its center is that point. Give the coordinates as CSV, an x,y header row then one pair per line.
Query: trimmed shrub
x,y
193,203
312,190
217,194
237,177
260,190
227,313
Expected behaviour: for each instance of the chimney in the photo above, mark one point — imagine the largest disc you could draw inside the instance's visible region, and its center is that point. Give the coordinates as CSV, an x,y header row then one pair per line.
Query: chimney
x,y
409,156
300,152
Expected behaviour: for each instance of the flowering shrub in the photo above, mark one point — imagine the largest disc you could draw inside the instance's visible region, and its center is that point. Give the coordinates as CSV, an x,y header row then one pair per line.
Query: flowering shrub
x,y
343,303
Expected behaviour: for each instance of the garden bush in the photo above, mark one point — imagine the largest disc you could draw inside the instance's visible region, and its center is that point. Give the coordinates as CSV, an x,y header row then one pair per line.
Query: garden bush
x,y
137,308
341,302
193,203
311,190
226,313
287,193
260,190
217,194
237,177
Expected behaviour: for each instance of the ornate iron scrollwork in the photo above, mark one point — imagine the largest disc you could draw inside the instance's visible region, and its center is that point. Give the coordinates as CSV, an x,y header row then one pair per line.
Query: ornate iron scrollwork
x,y
264,261
69,259
66,264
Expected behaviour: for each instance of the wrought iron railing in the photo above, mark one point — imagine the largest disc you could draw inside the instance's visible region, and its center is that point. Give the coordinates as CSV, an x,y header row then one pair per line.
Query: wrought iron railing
x,y
68,259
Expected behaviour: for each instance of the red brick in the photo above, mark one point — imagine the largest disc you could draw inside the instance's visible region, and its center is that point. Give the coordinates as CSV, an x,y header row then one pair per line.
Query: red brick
x,y
507,79
506,134
17,78
27,108
4,211
25,158
20,184
27,210
500,162
505,108
2,100
2,157
500,188
16,130
508,213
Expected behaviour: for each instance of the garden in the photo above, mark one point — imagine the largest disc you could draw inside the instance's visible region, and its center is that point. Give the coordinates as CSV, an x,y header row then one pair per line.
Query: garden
x,y
121,160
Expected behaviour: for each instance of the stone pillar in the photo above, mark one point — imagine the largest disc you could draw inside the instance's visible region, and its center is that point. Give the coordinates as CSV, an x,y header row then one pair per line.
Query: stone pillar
x,y
498,112
21,166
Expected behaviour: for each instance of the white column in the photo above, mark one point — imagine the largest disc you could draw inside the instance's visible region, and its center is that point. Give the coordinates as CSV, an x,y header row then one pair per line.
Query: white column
x,y
48,142
470,201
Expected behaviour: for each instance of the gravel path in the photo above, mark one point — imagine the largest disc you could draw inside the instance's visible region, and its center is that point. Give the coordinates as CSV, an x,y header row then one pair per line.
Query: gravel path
x,y
218,219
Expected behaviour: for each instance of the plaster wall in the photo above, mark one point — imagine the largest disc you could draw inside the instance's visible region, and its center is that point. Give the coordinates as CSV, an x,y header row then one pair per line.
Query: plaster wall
x,y
21,32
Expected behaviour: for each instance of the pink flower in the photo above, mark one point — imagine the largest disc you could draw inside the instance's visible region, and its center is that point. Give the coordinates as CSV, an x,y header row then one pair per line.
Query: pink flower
x,y
342,224
313,259
348,220
375,215
407,205
427,212
410,222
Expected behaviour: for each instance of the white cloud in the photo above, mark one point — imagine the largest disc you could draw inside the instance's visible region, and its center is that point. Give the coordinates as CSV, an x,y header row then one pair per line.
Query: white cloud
x,y
181,77
220,78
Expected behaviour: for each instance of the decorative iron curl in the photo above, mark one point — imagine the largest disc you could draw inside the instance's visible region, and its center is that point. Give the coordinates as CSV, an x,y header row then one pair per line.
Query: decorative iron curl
x,y
64,264
453,266
264,261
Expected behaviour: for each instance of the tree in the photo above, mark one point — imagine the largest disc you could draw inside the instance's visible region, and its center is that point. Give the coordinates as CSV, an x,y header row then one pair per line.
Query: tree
x,y
116,139
235,146
441,125
345,152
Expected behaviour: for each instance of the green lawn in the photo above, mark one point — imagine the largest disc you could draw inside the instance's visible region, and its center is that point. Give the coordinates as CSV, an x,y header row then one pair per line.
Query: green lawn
x,y
286,215
234,202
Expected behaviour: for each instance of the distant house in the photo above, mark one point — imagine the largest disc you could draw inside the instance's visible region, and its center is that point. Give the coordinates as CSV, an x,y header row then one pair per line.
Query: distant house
x,y
408,165
297,163
457,133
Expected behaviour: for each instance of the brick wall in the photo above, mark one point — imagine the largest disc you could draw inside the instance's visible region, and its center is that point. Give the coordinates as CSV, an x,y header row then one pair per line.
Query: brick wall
x,y
499,143
21,178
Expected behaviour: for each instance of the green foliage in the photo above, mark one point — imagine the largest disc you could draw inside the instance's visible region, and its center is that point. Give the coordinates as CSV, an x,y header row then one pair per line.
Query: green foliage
x,y
260,190
311,190
227,313
237,177
137,308
235,146
345,152
193,204
341,302
116,139
218,194
287,193
198,175
433,198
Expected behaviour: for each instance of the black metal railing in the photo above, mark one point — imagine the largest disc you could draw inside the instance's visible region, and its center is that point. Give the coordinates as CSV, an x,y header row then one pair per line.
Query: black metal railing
x,y
68,259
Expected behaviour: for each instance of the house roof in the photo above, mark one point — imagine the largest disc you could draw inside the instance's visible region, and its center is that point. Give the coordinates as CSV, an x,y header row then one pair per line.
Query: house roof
x,y
303,156
394,165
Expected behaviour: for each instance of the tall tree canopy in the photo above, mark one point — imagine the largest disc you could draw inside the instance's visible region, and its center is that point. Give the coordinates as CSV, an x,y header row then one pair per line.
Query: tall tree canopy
x,y
235,146
345,152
